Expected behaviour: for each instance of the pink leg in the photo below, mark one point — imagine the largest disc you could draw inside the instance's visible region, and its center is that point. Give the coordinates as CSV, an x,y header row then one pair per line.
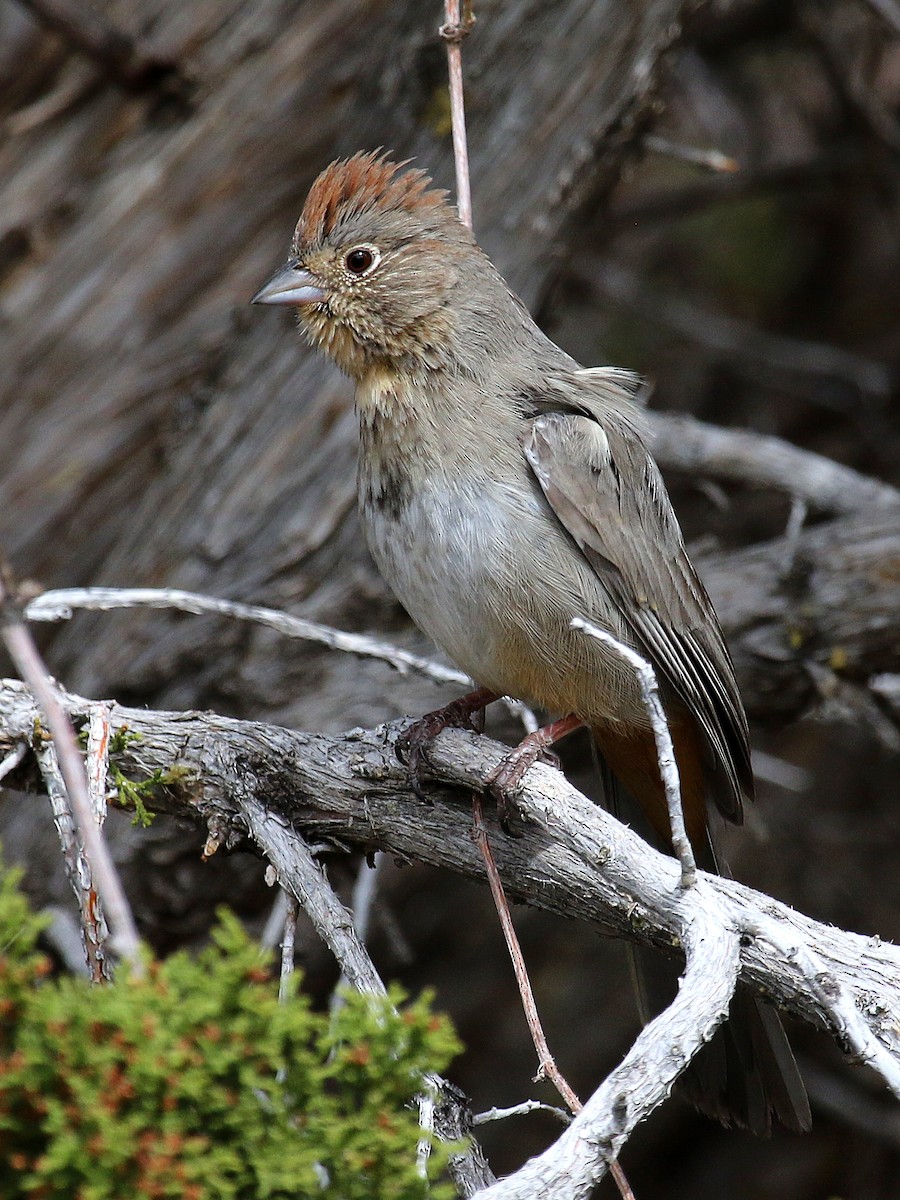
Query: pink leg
x,y
458,714
505,779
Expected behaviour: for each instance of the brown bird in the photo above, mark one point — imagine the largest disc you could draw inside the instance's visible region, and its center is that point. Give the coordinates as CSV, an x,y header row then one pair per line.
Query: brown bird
x,y
505,490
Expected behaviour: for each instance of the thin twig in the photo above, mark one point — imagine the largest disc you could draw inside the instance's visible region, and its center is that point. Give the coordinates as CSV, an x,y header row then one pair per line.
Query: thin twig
x,y
289,933
665,751
94,932
547,1064
12,760
713,160
520,1110
361,906
453,31
273,930
60,605
24,653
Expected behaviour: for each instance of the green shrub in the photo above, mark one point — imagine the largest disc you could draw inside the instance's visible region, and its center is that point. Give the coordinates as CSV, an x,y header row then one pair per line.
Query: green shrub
x,y
194,1083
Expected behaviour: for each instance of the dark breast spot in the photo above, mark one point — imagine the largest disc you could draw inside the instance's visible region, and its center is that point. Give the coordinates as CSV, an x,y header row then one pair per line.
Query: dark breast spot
x,y
388,491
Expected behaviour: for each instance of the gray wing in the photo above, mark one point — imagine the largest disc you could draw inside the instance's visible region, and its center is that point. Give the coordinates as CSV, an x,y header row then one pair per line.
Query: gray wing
x,y
608,494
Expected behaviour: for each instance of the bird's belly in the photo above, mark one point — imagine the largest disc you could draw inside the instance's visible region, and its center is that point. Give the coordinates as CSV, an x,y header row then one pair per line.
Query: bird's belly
x,y
495,582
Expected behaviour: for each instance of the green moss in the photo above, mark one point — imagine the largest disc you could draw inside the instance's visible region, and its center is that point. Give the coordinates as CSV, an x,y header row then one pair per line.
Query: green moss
x,y
194,1083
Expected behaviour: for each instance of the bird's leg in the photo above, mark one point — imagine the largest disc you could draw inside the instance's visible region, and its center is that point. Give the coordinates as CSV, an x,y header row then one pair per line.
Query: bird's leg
x,y
458,714
505,779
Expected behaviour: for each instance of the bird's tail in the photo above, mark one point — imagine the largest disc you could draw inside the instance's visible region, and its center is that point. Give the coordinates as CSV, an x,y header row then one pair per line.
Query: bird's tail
x,y
746,1074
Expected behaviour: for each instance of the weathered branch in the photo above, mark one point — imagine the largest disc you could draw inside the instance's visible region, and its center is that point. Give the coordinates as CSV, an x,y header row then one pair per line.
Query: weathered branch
x,y
280,787
572,859
683,443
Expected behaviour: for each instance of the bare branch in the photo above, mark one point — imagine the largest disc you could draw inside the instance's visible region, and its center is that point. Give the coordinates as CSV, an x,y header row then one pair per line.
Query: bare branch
x,y
29,664
94,931
665,751
289,930
519,1110
713,160
573,858
571,1167
682,443
60,605
453,31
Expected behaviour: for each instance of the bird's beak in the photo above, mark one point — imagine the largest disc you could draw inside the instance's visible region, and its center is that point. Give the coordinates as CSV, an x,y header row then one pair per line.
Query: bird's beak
x,y
291,284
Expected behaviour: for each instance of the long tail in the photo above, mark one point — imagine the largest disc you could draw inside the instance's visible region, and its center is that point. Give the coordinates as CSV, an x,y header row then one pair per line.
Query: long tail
x,y
746,1074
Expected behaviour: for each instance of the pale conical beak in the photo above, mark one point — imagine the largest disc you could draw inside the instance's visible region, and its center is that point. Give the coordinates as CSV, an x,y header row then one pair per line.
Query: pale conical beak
x,y
291,284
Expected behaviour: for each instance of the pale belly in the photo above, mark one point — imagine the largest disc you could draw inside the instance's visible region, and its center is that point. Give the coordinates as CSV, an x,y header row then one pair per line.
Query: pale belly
x,y
494,581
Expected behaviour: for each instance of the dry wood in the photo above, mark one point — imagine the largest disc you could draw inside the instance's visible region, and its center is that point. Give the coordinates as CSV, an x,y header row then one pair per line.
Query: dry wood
x,y
278,786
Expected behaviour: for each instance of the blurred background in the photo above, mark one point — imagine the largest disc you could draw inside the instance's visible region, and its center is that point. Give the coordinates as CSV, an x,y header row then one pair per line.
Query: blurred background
x,y
154,430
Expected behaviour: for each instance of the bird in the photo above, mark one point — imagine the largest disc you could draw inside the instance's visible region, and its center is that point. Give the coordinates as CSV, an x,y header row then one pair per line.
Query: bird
x,y
505,490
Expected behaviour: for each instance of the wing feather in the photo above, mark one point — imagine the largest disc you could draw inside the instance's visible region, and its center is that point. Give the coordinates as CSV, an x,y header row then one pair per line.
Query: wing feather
x,y
605,489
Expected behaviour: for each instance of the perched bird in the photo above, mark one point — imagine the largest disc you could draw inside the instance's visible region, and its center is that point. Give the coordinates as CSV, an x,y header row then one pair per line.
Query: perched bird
x,y
505,490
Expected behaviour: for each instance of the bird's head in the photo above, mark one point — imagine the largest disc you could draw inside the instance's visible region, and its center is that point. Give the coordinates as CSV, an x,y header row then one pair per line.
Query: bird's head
x,y
375,259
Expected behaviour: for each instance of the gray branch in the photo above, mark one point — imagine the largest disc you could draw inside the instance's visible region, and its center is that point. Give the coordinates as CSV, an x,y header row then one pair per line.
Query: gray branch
x,y
284,787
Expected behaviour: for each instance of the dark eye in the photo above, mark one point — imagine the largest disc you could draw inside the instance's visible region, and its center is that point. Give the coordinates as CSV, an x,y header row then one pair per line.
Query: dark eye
x,y
360,260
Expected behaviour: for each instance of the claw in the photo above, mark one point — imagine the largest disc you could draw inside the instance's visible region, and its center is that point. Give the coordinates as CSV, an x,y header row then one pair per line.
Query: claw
x,y
505,780
412,746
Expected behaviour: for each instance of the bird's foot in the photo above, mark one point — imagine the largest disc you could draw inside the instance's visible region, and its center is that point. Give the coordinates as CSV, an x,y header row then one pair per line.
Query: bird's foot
x,y
412,745
505,780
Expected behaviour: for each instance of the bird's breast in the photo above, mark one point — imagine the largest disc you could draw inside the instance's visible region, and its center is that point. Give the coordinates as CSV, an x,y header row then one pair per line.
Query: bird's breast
x,y
481,565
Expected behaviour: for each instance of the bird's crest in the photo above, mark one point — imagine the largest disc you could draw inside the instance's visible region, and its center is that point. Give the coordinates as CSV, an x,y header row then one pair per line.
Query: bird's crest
x,y
364,183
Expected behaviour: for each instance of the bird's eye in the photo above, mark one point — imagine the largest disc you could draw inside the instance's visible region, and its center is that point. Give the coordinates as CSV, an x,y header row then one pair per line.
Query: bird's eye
x,y
361,260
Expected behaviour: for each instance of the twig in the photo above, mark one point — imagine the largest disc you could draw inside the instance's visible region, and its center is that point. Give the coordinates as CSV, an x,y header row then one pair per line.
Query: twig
x,y
58,605
273,930
61,603
94,931
794,527
289,931
301,876
24,653
713,160
427,1108
453,31
546,1062
665,751
519,1110
9,763
682,443
361,907
364,893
